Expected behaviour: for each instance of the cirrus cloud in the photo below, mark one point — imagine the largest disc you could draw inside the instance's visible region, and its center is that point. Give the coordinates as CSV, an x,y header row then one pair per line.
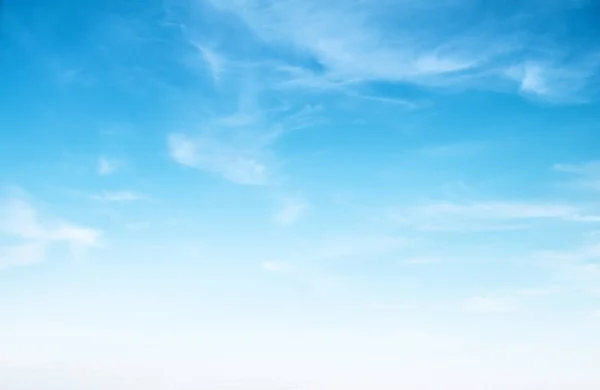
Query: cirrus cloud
x,y
20,222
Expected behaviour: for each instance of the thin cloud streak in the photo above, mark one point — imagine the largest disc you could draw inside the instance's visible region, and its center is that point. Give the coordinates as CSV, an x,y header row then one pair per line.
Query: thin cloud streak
x,y
586,176
292,210
234,164
20,221
488,305
107,166
118,196
494,215
489,54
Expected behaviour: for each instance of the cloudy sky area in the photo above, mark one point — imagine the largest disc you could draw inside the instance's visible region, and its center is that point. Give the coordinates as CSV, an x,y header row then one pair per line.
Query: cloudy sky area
x,y
299,194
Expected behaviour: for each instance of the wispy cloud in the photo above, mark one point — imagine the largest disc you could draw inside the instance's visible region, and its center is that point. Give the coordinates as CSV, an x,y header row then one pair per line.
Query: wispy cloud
x,y
414,49
118,196
577,258
306,24
278,266
235,145
495,215
214,62
559,83
533,79
591,168
239,146
483,304
343,246
578,267
234,163
21,222
392,306
535,292
422,260
500,210
21,254
455,149
308,264
107,166
586,175
291,211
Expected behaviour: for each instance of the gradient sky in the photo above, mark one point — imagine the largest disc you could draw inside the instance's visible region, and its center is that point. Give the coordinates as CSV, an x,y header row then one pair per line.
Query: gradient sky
x,y
299,194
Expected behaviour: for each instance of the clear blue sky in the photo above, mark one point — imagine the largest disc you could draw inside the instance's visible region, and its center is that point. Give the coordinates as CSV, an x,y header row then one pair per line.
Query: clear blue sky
x,y
299,194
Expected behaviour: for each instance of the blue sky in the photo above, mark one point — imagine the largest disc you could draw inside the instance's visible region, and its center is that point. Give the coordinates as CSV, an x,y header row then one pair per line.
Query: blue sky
x,y
299,194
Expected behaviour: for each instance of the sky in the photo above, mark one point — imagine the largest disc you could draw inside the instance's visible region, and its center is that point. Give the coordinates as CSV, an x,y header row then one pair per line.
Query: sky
x,y
299,194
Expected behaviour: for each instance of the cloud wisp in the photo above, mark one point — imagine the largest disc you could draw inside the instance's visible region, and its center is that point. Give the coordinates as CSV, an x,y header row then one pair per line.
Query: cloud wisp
x,y
107,166
291,211
239,147
488,305
21,223
239,165
367,46
585,176
118,196
491,215
278,266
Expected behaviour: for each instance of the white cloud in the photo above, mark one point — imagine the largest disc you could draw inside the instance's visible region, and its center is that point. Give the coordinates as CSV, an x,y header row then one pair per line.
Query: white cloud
x,y
182,149
553,81
414,48
531,78
19,221
479,304
307,25
494,215
73,234
534,292
21,254
238,146
586,175
107,166
211,155
534,80
118,196
215,62
579,254
393,306
590,168
422,260
291,211
358,245
500,210
456,149
278,266
590,269
579,267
